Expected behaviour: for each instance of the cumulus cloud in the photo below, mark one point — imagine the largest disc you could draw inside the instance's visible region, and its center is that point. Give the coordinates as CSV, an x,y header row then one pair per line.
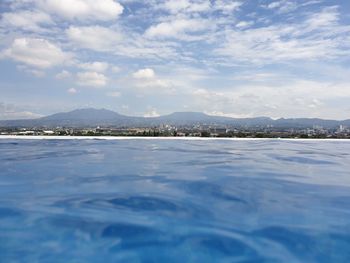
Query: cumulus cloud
x,y
64,74
146,81
26,20
84,10
36,52
72,91
92,79
243,24
222,41
146,73
154,85
96,66
94,37
297,98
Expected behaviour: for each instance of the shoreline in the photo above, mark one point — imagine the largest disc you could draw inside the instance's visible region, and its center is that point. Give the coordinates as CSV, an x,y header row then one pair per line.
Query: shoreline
x,y
115,138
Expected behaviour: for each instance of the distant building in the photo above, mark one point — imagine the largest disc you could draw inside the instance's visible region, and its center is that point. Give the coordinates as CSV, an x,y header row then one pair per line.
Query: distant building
x,y
26,133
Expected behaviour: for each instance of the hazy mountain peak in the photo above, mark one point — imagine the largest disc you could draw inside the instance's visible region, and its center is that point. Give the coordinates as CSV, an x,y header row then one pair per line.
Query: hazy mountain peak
x,y
84,114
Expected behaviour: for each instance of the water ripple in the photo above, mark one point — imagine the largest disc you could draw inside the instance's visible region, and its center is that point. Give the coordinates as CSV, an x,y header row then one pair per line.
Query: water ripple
x,y
173,201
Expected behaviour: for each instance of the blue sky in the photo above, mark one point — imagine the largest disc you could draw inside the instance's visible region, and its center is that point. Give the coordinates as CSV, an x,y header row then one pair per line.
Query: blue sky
x,y
279,58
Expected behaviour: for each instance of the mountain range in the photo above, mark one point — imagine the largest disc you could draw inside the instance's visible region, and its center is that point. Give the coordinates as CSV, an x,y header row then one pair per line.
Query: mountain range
x,y
91,117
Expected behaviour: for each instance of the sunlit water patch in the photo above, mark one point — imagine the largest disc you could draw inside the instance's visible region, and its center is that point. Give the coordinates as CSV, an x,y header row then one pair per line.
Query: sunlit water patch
x,y
174,201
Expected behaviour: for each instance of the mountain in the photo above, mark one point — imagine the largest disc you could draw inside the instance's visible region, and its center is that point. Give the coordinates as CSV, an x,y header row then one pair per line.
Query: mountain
x,y
87,118
77,118
101,117
84,114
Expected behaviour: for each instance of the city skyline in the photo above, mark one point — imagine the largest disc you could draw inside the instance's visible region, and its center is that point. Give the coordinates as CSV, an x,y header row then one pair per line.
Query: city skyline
x,y
228,58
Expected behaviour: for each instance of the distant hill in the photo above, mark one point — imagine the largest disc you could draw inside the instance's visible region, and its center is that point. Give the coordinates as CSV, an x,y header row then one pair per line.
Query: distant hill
x,y
84,114
77,118
91,117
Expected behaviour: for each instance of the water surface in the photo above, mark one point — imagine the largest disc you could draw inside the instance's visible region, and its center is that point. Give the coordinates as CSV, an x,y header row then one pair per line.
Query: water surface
x,y
174,201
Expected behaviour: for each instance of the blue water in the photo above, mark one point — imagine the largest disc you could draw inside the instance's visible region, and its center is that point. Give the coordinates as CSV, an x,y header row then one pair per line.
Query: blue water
x,y
174,201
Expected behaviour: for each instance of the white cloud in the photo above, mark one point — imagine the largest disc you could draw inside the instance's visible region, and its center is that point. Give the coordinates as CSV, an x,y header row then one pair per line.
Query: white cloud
x,y
94,37
92,79
12,112
21,115
178,28
243,24
139,47
227,6
36,52
283,6
95,66
146,73
273,5
72,91
175,6
118,42
34,72
64,74
26,20
145,81
204,94
190,7
296,98
327,17
220,32
317,37
154,85
116,69
84,10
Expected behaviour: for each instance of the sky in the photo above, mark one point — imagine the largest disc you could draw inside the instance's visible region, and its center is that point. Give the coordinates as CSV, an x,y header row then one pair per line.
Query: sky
x,y
237,58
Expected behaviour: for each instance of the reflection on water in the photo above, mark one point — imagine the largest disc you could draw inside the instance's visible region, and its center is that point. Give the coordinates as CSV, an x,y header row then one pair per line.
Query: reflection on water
x,y
174,201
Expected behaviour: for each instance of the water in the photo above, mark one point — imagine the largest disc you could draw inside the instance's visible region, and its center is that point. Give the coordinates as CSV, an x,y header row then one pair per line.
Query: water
x,y
174,201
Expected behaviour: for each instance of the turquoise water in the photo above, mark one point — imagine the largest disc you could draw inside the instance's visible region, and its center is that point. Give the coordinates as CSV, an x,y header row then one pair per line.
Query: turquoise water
x,y
174,201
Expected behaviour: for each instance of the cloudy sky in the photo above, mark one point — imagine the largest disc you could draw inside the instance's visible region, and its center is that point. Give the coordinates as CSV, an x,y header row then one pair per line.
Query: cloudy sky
x,y
277,58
